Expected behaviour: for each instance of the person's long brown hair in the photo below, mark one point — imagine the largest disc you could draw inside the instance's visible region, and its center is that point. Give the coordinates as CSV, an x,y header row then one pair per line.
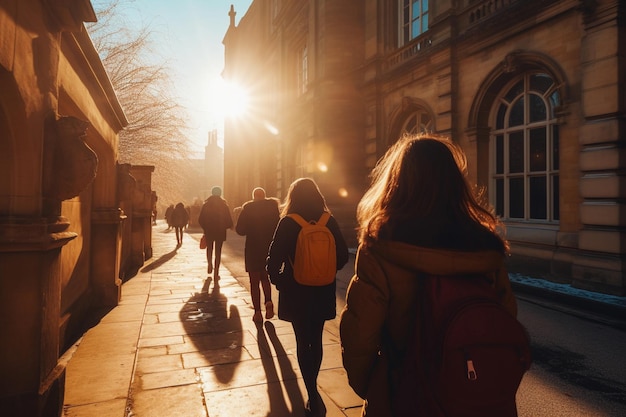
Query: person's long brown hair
x,y
305,198
422,176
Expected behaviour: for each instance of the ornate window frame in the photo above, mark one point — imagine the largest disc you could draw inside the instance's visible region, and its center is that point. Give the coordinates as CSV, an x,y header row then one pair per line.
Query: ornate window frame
x,y
524,150
482,117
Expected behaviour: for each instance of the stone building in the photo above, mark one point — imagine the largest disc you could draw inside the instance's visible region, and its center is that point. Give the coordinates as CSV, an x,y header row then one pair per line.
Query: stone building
x,y
534,91
61,193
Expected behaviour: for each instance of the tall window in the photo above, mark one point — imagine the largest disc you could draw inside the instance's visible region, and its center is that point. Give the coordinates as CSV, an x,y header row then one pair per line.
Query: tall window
x,y
303,71
525,150
413,19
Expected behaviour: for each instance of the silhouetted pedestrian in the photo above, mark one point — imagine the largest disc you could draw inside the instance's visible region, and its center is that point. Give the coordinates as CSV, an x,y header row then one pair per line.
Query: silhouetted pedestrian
x,y
168,216
180,219
257,221
215,219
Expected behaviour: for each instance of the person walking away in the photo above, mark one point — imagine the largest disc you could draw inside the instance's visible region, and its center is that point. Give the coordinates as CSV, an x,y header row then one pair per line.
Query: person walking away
x,y
420,216
215,219
168,216
306,307
257,221
180,219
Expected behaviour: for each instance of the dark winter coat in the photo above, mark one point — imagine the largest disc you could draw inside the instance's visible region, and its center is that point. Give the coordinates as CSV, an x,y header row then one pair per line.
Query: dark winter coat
x,y
179,216
381,308
215,219
257,221
298,302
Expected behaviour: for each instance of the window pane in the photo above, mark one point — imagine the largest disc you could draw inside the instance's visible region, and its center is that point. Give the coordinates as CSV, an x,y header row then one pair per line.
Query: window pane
x,y
555,101
424,23
424,6
516,198
540,83
516,152
499,154
515,91
538,200
411,124
424,122
537,108
407,17
516,117
500,197
555,147
500,117
556,209
415,9
537,150
415,31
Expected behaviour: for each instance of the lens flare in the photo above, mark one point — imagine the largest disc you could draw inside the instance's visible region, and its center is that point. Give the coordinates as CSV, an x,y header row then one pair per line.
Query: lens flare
x,y
271,128
229,99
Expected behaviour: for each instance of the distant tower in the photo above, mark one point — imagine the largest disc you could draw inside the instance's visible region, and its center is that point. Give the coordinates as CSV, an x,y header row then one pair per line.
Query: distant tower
x,y
213,164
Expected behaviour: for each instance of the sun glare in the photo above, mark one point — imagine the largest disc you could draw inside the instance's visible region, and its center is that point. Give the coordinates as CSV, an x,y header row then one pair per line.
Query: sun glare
x,y
230,99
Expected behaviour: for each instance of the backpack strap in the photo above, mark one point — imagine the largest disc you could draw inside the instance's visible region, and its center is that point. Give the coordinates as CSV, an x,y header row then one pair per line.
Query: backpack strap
x,y
303,223
324,218
298,219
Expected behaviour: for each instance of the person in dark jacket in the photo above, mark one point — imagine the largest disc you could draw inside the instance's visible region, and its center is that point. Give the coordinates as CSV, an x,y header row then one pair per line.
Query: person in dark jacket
x,y
306,307
257,221
168,216
419,217
215,219
179,220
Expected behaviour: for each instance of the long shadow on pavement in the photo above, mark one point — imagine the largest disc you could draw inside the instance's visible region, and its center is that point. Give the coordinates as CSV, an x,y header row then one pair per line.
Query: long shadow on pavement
x,y
215,330
278,403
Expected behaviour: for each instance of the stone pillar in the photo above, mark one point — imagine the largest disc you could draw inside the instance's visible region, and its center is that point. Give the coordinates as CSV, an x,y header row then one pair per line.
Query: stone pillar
x,y
142,214
106,248
603,182
31,376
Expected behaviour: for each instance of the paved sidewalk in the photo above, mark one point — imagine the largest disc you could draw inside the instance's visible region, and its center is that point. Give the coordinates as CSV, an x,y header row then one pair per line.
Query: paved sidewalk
x,y
181,344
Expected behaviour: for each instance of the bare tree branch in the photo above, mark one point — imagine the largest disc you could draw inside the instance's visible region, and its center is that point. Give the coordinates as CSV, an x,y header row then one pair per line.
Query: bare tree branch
x,y
157,130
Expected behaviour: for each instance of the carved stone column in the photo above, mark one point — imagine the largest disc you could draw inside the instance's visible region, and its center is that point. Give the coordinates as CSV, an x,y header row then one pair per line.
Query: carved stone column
x,y
30,294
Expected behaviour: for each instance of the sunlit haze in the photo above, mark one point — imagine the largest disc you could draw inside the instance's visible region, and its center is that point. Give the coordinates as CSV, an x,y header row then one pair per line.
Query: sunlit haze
x,y
187,35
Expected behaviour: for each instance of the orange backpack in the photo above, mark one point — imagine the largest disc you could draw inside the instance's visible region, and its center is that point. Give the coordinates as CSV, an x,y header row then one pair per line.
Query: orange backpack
x,y
315,262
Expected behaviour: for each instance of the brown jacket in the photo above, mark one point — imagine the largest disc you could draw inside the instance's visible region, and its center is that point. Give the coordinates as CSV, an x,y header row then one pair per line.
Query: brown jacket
x,y
381,308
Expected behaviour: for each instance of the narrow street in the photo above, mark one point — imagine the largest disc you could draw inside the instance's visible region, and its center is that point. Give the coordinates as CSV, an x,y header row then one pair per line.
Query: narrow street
x,y
579,366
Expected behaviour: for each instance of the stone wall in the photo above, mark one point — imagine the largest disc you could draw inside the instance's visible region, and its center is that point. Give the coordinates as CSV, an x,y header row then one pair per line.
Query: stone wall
x,y
60,217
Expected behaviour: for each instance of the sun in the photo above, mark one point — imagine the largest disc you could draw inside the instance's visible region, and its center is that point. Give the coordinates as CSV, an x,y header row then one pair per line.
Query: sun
x,y
230,99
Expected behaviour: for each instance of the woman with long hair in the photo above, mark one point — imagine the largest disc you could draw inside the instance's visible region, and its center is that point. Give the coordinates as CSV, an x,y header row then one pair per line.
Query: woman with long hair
x,y
306,307
419,216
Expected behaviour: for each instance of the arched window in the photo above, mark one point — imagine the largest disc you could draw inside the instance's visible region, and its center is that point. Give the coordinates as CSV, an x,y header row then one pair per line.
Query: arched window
x,y
418,121
525,150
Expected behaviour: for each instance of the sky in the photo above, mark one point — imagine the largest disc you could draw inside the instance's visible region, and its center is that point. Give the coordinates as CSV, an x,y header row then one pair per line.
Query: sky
x,y
189,34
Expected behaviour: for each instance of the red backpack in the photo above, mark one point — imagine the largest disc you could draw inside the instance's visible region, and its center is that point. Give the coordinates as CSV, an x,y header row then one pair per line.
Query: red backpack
x,y
468,355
